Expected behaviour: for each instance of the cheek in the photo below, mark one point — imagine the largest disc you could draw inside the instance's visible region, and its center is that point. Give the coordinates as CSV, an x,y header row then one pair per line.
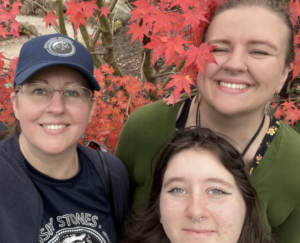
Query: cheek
x,y
170,211
79,114
230,218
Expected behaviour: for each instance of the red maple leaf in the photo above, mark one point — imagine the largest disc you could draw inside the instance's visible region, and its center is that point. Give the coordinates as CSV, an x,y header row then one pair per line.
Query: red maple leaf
x,y
6,17
158,47
288,106
73,7
295,10
1,60
279,113
200,56
173,47
180,82
292,117
77,19
148,86
3,31
184,4
138,31
107,69
163,21
17,3
142,7
104,11
172,99
15,10
5,3
89,7
194,18
50,19
15,29
296,63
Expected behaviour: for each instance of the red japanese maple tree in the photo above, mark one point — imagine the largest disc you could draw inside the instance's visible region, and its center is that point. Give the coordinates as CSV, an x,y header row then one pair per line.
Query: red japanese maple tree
x,y
168,29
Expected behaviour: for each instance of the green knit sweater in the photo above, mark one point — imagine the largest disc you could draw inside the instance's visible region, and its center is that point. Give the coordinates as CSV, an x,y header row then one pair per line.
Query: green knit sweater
x,y
276,178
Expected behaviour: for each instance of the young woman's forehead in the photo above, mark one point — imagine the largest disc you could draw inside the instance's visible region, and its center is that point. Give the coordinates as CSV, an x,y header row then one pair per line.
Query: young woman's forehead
x,y
251,25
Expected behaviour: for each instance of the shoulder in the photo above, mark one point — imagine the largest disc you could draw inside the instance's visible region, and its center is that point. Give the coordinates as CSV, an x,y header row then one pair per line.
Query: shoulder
x,y
286,142
2,127
288,132
116,167
282,158
158,109
10,149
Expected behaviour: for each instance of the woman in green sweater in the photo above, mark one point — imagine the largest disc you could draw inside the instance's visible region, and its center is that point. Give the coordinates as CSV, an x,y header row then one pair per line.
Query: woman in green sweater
x,y
254,51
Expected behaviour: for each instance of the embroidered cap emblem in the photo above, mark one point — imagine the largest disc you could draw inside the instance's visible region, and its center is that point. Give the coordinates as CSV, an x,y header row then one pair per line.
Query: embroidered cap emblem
x,y
60,46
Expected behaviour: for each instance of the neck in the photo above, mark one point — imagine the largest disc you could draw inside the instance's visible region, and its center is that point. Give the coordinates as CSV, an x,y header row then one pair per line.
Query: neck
x,y
58,166
239,128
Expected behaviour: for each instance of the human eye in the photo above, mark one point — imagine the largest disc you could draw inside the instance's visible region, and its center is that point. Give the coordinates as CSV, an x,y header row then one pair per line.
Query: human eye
x,y
38,90
259,53
72,92
217,192
217,49
177,191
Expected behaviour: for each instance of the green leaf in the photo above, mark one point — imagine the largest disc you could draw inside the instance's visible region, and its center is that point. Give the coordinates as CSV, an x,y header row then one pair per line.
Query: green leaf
x,y
8,85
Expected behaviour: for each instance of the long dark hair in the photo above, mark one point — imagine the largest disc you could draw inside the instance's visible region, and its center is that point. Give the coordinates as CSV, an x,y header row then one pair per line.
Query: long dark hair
x,y
145,226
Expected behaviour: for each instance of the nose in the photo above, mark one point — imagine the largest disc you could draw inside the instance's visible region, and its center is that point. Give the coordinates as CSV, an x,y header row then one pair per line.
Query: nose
x,y
56,103
197,209
235,61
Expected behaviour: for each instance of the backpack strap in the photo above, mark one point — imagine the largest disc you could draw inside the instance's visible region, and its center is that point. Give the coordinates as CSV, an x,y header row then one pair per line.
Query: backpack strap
x,y
108,184
98,147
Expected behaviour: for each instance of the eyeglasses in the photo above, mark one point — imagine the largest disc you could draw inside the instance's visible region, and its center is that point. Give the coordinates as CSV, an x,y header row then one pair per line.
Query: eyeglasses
x,y
42,92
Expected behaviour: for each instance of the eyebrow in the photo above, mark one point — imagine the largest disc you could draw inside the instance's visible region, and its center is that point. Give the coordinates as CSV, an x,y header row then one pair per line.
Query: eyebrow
x,y
45,81
211,179
173,179
264,42
253,42
221,181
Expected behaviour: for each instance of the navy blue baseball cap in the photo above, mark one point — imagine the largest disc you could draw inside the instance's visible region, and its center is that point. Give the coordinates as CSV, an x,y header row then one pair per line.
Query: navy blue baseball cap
x,y
54,50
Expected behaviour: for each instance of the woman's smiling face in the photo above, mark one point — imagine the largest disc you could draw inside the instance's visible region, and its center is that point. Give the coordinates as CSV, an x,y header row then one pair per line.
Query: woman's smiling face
x,y
197,185
56,125
251,44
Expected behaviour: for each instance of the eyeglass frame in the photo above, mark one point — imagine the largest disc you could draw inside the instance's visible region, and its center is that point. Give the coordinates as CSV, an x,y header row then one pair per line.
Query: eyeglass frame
x,y
18,88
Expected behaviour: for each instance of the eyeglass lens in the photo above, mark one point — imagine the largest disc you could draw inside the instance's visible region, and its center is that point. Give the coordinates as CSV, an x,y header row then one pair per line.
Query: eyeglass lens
x,y
43,92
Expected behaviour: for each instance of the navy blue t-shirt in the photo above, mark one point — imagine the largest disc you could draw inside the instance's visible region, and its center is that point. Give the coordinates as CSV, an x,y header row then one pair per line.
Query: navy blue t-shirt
x,y
76,209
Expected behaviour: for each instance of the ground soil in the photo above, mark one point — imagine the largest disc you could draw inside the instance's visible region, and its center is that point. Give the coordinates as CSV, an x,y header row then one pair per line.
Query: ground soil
x,y
128,56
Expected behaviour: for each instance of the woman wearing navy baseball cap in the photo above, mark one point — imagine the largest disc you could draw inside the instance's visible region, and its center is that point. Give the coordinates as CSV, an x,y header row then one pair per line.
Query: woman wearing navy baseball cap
x,y
53,189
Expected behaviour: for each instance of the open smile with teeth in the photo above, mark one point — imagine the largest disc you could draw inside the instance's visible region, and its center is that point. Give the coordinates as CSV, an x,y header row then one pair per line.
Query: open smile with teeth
x,y
233,86
54,127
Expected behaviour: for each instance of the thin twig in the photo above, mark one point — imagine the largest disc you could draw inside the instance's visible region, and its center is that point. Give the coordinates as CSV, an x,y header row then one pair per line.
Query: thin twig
x,y
98,53
113,24
127,109
163,74
297,98
40,6
5,58
142,64
129,5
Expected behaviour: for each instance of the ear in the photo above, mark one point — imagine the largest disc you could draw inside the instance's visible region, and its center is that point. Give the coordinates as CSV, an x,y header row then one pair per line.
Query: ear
x,y
284,76
93,106
13,99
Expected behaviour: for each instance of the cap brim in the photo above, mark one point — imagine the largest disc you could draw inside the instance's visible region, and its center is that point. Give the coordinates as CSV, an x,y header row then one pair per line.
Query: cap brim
x,y
26,74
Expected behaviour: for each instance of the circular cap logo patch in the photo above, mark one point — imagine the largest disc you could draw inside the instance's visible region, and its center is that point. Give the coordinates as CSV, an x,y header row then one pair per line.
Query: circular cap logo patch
x,y
60,46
